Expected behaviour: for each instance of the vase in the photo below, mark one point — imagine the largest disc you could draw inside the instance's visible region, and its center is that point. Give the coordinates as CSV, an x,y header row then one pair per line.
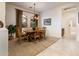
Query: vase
x,y
33,28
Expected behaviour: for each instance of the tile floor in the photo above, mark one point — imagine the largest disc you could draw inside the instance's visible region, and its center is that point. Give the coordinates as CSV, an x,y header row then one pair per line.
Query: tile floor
x,y
63,47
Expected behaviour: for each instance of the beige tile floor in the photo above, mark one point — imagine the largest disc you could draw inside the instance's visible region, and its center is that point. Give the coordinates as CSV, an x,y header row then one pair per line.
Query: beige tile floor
x,y
63,47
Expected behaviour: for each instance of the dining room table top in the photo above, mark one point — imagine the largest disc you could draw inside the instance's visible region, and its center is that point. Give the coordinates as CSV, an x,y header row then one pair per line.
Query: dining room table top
x,y
37,30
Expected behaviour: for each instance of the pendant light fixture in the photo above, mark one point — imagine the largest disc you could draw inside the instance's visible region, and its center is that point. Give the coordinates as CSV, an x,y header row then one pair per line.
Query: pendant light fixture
x,y
35,15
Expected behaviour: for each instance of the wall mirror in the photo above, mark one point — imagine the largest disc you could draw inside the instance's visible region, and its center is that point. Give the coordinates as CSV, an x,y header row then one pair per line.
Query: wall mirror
x,y
1,24
24,21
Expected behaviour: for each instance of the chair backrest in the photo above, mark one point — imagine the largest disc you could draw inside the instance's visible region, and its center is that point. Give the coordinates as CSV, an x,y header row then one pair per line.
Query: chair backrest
x,y
44,28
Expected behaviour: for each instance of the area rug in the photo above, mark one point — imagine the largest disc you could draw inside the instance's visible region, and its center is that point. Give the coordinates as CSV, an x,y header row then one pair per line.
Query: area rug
x,y
29,48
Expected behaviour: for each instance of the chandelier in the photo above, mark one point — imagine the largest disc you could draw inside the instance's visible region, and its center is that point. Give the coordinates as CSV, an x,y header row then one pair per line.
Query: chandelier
x,y
35,15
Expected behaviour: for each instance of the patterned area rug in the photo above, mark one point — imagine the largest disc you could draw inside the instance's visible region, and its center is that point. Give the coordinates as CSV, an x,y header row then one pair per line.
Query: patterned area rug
x,y
29,48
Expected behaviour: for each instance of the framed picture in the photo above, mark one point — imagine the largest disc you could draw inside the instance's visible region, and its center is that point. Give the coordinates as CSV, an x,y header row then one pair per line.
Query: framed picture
x,y
47,21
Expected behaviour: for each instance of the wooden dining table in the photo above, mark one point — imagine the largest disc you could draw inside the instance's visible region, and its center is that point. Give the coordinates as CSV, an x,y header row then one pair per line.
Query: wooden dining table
x,y
34,34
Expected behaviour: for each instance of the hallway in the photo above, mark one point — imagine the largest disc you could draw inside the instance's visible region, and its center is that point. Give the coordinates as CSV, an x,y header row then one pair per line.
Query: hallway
x,y
63,47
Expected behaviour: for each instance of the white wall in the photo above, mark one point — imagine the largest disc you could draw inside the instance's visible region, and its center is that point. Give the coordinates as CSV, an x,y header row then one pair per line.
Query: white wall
x,y
3,32
11,13
2,12
3,42
53,30
77,31
57,20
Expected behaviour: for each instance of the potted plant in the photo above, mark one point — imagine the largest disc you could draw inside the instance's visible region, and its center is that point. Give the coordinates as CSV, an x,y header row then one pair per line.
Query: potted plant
x,y
11,31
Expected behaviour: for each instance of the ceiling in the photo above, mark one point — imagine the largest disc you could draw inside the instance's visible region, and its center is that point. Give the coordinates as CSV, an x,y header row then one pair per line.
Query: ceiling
x,y
40,6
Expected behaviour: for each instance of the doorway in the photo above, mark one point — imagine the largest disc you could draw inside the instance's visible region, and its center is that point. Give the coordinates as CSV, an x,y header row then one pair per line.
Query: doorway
x,y
69,22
